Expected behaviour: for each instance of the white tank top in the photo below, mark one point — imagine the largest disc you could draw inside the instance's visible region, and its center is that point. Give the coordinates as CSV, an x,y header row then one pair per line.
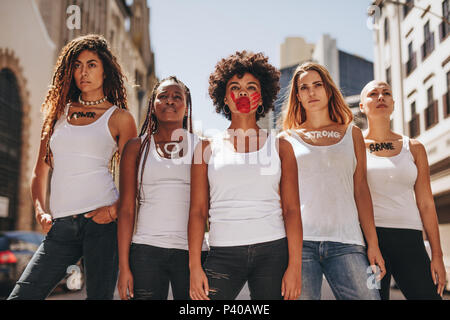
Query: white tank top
x,y
245,205
163,215
81,180
325,176
391,181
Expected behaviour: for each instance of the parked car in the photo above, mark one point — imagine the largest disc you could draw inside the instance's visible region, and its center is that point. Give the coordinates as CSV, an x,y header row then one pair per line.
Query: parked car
x,y
17,249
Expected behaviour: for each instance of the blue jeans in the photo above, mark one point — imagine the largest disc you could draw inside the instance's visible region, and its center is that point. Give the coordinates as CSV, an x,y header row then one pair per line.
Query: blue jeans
x,y
68,240
262,265
154,267
345,267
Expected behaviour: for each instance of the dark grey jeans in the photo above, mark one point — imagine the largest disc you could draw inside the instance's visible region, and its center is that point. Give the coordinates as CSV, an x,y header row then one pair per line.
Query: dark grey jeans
x,y
154,267
408,262
263,265
68,240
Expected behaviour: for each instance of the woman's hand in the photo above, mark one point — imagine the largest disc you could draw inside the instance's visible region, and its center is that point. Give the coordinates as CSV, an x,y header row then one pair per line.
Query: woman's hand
x,y
376,259
45,220
103,215
291,285
125,284
199,288
438,274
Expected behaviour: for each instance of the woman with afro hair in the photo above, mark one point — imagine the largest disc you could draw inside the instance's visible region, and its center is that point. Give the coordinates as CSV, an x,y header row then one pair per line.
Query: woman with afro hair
x,y
240,179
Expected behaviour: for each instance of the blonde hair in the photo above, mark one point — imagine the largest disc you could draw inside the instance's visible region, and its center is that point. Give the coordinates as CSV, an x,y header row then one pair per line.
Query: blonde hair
x,y
293,114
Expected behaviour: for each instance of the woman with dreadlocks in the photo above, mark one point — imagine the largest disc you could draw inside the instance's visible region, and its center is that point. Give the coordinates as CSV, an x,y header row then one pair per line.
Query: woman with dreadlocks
x,y
86,123
155,171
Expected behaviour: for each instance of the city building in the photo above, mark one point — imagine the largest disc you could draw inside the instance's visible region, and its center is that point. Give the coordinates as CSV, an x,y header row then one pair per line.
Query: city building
x,y
350,72
412,53
32,33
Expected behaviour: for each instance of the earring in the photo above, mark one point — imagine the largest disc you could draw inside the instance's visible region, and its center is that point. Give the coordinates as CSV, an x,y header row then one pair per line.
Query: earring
x,y
226,109
260,110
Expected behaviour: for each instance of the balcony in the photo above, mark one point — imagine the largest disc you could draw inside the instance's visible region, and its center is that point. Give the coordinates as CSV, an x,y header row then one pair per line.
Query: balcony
x,y
446,104
411,64
444,30
407,7
428,46
431,115
414,125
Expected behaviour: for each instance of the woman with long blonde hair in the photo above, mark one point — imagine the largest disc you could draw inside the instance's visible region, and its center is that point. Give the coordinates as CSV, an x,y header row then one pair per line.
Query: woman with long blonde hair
x,y
86,122
334,196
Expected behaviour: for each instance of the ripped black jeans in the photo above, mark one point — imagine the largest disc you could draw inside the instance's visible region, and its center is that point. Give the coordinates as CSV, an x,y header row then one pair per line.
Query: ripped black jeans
x,y
263,265
153,268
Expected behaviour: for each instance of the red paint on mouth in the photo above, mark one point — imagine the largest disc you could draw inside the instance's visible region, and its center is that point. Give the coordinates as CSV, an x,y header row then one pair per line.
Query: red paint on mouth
x,y
243,104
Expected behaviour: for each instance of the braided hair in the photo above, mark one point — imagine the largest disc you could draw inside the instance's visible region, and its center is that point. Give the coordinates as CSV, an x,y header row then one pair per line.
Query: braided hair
x,y
150,126
64,89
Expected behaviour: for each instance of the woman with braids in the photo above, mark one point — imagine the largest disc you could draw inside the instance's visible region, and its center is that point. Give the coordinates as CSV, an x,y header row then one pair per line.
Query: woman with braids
x,y
155,171
335,199
241,179
86,122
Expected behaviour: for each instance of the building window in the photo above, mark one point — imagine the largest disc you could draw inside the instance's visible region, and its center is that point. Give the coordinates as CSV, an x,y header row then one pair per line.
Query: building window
x,y
414,124
431,112
444,26
388,76
386,30
411,64
10,146
446,100
428,45
407,7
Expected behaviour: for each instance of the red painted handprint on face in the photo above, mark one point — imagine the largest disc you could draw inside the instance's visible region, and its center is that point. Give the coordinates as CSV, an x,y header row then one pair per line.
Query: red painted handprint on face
x,y
245,104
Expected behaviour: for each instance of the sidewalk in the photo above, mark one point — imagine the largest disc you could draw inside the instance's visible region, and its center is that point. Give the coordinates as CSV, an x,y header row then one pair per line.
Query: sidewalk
x,y
243,295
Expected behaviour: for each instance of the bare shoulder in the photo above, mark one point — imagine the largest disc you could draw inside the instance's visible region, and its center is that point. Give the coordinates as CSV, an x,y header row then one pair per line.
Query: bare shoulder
x,y
417,149
284,146
132,146
416,144
358,135
202,152
122,115
356,131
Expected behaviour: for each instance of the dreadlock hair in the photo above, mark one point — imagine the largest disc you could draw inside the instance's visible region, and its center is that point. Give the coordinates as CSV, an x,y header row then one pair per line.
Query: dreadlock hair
x,y
64,90
150,126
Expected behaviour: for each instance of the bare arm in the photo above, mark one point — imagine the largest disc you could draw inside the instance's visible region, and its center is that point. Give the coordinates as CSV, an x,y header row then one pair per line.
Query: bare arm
x,y
363,202
123,128
39,186
198,214
291,287
427,210
126,213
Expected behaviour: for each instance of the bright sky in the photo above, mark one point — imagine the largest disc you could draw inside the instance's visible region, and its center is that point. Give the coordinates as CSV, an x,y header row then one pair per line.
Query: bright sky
x,y
189,37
